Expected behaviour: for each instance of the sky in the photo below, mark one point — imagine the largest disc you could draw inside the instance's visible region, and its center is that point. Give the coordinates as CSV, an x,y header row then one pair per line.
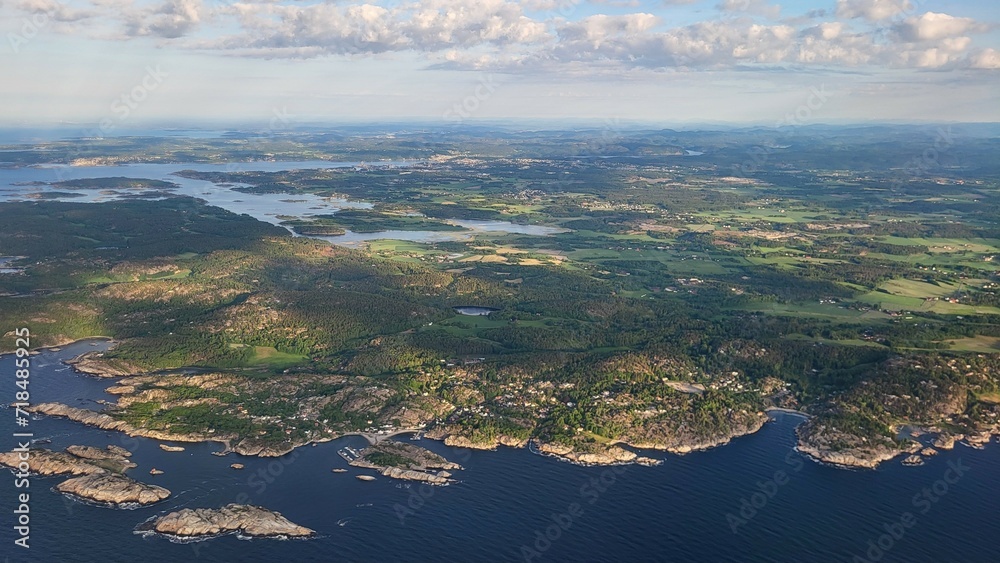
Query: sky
x,y
114,64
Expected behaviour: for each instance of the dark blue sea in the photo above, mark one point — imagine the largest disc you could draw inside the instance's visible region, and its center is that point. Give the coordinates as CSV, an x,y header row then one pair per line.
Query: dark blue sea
x,y
687,509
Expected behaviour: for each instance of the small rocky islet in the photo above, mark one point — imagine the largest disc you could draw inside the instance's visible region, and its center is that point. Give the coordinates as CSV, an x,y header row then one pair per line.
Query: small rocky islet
x,y
398,460
245,520
113,489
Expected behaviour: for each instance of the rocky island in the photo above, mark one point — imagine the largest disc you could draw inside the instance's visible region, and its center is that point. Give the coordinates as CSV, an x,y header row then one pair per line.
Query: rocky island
x,y
252,521
397,460
613,455
76,460
98,474
113,489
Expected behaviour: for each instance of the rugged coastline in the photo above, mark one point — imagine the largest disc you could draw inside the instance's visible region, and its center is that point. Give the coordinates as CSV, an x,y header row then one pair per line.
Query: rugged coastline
x,y
815,440
451,437
97,475
93,363
105,421
827,445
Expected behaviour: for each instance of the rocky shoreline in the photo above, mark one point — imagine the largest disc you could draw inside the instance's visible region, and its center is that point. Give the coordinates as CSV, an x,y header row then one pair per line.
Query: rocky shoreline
x,y
828,446
112,489
613,455
814,442
97,475
820,444
105,421
245,520
76,461
450,438
676,443
407,462
93,363
58,342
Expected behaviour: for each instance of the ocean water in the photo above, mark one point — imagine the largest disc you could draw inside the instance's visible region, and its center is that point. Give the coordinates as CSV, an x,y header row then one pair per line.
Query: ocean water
x,y
17,184
684,510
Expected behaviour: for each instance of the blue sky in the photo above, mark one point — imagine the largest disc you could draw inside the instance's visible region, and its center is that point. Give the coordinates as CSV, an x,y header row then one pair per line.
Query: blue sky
x,y
121,63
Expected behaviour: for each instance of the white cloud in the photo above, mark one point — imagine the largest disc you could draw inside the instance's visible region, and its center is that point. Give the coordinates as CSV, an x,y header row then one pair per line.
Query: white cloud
x,y
598,28
440,24
988,59
172,19
619,3
56,10
548,5
830,44
872,10
701,45
934,26
555,37
827,31
931,58
427,26
955,44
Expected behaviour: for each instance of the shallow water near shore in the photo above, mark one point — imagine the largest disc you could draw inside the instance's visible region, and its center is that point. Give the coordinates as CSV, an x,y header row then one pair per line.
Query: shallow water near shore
x,y
507,499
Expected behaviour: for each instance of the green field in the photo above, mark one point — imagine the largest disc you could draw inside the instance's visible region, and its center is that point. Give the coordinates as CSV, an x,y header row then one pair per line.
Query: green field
x,y
269,356
982,344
